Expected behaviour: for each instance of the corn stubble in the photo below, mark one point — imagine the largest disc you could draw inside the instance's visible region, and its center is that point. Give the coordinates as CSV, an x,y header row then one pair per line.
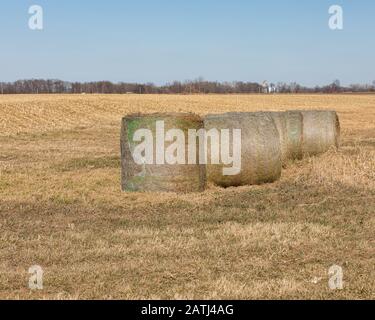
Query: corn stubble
x,y
61,207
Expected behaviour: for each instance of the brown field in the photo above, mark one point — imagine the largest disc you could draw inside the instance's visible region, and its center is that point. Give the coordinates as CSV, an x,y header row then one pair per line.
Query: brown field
x,y
61,208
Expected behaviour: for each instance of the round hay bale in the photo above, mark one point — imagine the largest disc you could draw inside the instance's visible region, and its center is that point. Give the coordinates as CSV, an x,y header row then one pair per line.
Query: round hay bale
x,y
294,129
289,125
280,119
321,131
152,170
260,149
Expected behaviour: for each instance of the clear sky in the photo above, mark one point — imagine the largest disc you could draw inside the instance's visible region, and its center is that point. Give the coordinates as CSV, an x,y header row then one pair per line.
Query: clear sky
x,y
163,40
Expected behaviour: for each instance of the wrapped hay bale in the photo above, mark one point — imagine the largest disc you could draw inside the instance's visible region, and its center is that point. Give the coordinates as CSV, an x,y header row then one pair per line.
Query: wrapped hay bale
x,y
260,152
289,125
294,128
152,158
321,131
280,121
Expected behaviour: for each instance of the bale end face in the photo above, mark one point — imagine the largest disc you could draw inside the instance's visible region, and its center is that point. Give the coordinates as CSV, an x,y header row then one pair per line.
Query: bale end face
x,y
153,172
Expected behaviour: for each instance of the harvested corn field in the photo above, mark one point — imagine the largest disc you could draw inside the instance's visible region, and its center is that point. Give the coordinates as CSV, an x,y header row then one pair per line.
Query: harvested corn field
x,y
61,207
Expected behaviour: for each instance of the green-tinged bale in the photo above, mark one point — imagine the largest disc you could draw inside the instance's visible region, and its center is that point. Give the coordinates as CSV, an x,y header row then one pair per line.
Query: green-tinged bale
x,y
321,131
260,149
155,177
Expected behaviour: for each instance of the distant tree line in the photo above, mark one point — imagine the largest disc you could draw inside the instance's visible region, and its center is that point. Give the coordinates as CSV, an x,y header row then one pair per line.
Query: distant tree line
x,y
334,87
35,86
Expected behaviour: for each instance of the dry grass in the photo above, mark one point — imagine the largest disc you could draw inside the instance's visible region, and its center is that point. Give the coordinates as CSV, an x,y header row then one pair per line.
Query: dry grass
x,y
61,207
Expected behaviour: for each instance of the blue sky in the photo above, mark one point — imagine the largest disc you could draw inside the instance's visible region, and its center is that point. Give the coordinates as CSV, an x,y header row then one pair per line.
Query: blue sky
x,y
164,40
